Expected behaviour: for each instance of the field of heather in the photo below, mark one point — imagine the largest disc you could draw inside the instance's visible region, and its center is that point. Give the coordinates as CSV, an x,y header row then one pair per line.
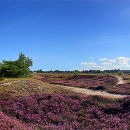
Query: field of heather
x,y
42,103
107,83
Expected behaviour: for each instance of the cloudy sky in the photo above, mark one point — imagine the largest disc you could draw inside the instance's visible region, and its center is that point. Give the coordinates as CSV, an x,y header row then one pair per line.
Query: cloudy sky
x,y
67,34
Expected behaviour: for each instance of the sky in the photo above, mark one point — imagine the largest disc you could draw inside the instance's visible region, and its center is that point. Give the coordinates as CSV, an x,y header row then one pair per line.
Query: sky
x,y
66,34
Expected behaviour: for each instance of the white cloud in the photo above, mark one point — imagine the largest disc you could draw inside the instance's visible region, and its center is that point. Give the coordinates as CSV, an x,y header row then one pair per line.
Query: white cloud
x,y
123,61
103,59
104,63
116,67
96,67
111,61
89,63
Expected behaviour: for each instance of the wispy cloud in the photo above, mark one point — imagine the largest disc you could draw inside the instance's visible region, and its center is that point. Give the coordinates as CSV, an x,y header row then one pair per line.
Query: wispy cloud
x,y
125,12
104,63
91,65
103,59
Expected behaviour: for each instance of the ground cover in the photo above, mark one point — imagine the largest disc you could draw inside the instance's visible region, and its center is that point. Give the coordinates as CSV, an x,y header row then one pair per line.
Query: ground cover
x,y
26,87
9,123
83,81
33,104
69,112
107,83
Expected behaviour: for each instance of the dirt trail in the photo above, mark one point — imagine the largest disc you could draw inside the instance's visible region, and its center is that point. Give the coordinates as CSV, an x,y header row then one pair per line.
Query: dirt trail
x,y
93,92
80,90
120,80
101,93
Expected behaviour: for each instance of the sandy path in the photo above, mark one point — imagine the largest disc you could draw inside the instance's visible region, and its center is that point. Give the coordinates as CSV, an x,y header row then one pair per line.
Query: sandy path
x,y
93,92
83,91
120,80
101,93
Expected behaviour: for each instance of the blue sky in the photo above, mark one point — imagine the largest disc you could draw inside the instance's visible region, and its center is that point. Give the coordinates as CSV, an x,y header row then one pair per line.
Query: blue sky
x,y
67,34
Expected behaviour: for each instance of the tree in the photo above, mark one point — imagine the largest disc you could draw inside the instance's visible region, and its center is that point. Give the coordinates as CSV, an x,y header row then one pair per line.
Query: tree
x,y
18,68
23,64
120,72
24,61
8,68
77,72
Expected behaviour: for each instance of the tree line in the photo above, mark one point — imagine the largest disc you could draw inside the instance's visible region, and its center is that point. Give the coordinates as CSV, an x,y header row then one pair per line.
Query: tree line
x,y
85,71
17,68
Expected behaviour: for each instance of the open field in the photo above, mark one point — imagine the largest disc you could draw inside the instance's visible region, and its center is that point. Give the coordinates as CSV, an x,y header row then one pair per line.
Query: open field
x,y
108,83
61,102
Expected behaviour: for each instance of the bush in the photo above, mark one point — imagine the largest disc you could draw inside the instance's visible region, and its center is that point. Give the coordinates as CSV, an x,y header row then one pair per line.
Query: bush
x,y
8,123
18,68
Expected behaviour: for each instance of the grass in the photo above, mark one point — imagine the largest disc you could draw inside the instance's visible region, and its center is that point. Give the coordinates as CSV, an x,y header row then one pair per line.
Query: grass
x,y
26,87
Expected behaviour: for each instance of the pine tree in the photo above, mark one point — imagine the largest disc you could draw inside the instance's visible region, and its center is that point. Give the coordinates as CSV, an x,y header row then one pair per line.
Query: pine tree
x,y
18,68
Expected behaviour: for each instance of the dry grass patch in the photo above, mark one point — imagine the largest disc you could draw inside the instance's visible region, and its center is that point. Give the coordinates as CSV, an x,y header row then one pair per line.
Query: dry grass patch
x,y
28,86
126,78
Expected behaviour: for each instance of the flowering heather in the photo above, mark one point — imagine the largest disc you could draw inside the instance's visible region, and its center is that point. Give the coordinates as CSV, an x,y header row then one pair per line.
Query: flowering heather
x,y
121,89
83,81
69,112
8,123
95,82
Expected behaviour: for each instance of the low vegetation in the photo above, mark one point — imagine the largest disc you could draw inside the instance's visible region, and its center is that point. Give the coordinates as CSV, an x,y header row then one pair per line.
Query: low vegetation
x,y
101,82
59,111
40,102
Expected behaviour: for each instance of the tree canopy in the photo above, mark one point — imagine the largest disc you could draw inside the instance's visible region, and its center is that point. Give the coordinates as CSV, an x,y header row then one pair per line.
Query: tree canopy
x,y
17,68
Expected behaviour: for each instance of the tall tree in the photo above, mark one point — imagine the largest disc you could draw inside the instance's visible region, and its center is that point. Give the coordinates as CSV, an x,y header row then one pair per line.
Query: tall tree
x,y
23,64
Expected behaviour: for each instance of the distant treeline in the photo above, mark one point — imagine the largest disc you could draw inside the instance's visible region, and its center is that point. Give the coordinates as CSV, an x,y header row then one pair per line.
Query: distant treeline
x,y
85,71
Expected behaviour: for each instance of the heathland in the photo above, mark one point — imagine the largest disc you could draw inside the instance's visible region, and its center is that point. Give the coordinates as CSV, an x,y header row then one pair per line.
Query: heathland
x,y
54,101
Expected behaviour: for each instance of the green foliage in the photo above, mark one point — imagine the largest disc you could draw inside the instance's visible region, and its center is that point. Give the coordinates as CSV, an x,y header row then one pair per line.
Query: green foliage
x,y
18,68
77,72
39,71
120,72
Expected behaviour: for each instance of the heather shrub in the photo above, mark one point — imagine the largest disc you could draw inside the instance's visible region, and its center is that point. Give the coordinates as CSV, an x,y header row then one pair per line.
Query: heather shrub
x,y
8,123
126,104
120,89
97,87
96,82
69,112
43,109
